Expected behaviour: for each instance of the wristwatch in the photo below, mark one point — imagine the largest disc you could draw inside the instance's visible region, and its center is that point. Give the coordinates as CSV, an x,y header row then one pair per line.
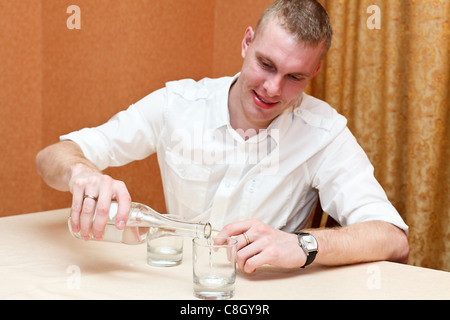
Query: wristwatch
x,y
309,245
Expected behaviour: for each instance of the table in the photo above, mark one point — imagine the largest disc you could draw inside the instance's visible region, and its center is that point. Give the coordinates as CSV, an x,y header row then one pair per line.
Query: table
x,y
39,259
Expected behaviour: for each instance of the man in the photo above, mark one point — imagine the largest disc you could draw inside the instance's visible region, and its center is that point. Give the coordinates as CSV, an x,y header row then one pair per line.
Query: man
x,y
249,153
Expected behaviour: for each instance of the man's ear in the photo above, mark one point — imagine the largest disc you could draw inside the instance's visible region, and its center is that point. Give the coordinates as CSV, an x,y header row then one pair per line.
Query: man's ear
x,y
317,70
248,37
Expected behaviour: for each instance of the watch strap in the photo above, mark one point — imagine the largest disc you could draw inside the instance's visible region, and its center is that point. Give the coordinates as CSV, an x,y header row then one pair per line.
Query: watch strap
x,y
310,258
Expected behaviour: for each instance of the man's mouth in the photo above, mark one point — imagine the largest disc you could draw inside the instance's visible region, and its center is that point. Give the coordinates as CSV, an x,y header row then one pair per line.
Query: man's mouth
x,y
261,102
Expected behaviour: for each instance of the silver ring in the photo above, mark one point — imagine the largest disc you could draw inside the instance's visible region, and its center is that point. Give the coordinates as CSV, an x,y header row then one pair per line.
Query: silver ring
x,y
90,197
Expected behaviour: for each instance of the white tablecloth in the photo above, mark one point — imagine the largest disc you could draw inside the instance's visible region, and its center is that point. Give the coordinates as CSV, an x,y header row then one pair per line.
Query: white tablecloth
x,y
39,259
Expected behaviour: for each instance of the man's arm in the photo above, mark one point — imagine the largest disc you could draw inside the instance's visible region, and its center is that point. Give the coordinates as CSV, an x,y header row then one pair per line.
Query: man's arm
x,y
362,242
64,167
57,163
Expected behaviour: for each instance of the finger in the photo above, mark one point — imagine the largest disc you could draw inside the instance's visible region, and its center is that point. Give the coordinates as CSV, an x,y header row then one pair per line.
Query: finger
x,y
246,254
254,262
247,240
102,207
222,237
285,254
237,228
77,205
101,216
242,240
220,240
123,198
87,215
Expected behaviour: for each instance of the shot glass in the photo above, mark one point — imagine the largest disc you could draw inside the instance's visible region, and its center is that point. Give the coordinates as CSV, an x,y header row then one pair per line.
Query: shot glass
x,y
165,251
214,268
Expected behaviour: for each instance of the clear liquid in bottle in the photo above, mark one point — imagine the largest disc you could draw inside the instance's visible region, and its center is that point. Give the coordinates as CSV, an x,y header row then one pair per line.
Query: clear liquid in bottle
x,y
144,222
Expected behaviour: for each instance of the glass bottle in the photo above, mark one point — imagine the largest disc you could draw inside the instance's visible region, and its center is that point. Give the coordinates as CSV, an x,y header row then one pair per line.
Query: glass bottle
x,y
144,222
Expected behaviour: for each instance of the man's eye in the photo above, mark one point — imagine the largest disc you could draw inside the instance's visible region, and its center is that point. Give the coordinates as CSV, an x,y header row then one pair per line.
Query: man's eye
x,y
296,78
265,65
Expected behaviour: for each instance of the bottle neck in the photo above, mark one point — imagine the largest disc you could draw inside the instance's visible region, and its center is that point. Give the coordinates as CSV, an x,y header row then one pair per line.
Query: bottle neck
x,y
166,224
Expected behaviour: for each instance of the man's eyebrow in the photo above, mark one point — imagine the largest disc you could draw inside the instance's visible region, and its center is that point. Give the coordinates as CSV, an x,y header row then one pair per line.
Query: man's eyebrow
x,y
300,74
267,59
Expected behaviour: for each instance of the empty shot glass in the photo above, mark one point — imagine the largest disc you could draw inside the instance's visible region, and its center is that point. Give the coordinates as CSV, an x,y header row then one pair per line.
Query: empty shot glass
x,y
165,251
214,268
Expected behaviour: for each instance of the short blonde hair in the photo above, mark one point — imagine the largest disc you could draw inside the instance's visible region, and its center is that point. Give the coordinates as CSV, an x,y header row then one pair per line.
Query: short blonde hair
x,y
306,19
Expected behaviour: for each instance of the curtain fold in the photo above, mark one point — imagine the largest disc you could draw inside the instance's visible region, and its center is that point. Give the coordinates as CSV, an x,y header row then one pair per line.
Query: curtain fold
x,y
392,84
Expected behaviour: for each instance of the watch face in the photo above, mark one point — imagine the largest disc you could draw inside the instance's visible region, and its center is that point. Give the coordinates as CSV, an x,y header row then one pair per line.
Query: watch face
x,y
309,242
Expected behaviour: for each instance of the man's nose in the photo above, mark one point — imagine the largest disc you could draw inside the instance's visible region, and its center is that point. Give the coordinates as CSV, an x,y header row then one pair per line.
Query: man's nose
x,y
273,86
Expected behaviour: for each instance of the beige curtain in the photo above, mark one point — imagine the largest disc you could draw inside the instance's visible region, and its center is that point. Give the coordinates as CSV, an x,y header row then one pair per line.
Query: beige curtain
x,y
388,72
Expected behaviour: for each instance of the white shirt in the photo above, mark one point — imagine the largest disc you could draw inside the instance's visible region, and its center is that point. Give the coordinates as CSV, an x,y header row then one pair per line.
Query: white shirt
x,y
210,173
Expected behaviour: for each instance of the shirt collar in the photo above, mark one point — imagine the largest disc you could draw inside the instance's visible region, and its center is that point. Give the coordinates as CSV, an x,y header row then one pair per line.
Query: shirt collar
x,y
222,116
282,123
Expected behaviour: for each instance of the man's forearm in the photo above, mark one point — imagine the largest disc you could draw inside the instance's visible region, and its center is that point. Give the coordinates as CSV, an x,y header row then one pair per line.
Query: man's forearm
x,y
363,242
57,162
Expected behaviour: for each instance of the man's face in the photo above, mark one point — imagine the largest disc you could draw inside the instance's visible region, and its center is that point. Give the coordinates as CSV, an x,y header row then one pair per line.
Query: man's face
x,y
276,70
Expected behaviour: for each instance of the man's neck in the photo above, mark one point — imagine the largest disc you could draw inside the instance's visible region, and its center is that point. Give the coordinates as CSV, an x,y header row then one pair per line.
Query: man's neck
x,y
238,119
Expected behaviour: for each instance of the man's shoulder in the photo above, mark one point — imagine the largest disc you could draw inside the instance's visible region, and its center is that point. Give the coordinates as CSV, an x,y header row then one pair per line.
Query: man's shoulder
x,y
318,113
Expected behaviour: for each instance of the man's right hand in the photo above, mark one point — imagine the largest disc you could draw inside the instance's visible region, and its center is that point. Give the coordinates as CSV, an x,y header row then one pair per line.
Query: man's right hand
x,y
87,184
64,167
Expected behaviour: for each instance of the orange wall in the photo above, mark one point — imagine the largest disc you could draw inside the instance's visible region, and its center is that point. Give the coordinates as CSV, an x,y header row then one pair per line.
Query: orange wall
x,y
20,104
123,51
232,17
54,80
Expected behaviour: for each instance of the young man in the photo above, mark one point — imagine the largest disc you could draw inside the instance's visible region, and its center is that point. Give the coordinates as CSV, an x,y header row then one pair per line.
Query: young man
x,y
249,153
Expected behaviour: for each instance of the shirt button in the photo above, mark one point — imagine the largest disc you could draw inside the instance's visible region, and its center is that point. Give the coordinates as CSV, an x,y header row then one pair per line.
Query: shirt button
x,y
252,186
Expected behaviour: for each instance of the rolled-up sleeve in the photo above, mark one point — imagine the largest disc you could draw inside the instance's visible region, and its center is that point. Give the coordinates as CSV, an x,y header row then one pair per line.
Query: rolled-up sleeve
x,y
348,189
